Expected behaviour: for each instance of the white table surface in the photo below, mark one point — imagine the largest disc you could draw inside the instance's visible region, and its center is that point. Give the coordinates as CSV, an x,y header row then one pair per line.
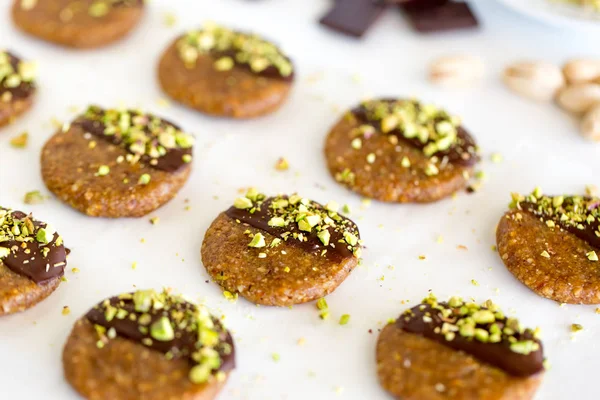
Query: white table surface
x,y
540,145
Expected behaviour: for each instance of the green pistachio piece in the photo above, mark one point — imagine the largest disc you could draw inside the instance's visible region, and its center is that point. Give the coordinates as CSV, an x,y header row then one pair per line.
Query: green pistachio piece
x,y
99,9
33,197
142,300
324,237
103,170
252,194
350,238
483,317
144,179
467,330
208,337
276,221
313,220
242,203
258,240
4,252
279,204
592,256
224,64
482,335
431,170
332,206
455,302
389,123
162,330
524,347
294,199
322,304
303,225
44,235
200,374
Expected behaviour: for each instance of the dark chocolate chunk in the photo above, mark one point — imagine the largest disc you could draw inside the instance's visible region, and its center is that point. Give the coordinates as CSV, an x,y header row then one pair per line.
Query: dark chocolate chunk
x,y
353,17
439,16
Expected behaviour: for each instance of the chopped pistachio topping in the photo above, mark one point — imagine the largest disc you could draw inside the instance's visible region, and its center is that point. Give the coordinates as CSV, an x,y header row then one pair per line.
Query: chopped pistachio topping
x,y
23,229
344,319
163,317
484,323
298,218
579,215
143,135
11,77
233,48
431,129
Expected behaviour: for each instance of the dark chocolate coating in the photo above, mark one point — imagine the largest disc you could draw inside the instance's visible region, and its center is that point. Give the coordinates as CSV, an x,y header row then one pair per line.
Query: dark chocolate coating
x,y
336,251
29,261
25,89
462,153
497,354
172,161
182,346
587,234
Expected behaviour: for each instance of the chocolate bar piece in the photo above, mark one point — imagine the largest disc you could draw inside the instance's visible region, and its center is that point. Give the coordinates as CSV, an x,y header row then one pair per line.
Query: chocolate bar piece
x,y
445,16
353,17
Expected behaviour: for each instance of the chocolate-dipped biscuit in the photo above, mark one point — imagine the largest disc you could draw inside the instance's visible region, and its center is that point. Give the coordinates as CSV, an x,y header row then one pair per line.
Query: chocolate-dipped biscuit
x,y
400,151
225,73
552,245
77,23
459,350
280,250
32,261
148,345
117,163
17,86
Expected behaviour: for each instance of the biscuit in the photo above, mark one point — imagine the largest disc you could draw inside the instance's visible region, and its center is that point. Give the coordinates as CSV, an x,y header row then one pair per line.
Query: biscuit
x,y
400,151
32,261
225,73
552,245
17,87
148,345
281,250
117,163
458,350
80,24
